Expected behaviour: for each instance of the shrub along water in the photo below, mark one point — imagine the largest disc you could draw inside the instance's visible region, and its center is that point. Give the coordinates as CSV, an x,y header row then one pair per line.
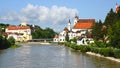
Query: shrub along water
x,y
105,51
6,43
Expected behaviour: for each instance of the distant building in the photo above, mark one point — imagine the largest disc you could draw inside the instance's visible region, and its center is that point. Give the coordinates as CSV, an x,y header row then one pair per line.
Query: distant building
x,y
56,38
80,30
20,33
117,8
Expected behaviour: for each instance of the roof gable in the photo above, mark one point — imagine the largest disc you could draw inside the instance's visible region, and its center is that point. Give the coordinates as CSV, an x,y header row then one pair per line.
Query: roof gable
x,y
66,29
56,36
84,24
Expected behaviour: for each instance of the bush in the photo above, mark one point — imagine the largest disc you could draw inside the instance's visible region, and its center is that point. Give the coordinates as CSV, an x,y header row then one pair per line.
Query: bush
x,y
109,51
100,44
117,53
82,48
4,43
67,44
11,40
74,40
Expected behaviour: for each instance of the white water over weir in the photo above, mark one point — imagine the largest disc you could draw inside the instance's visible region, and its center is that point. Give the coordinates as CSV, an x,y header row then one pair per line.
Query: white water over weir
x,y
51,56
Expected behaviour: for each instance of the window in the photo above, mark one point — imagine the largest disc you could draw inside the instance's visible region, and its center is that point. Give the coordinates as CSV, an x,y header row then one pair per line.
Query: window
x,y
60,39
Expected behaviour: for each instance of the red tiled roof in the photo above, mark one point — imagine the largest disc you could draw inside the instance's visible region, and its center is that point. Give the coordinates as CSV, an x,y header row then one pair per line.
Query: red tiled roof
x,y
56,36
66,29
84,24
17,27
117,8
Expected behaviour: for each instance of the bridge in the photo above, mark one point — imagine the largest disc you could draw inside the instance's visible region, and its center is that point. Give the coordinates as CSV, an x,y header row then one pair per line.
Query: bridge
x,y
40,40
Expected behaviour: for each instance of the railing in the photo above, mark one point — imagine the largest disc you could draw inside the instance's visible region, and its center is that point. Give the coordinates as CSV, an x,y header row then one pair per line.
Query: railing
x,y
40,40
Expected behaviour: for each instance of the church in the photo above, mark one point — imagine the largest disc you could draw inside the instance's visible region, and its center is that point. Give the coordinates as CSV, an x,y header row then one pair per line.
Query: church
x,y
81,30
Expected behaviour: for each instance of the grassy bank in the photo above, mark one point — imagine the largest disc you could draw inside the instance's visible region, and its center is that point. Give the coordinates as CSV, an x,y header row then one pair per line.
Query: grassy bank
x,y
15,46
105,51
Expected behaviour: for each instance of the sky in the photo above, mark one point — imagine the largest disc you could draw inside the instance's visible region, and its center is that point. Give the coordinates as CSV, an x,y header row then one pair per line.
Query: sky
x,y
53,13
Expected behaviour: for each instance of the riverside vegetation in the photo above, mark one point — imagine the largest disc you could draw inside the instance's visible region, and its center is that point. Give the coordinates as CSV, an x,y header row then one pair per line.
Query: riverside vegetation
x,y
7,43
106,37
105,51
4,42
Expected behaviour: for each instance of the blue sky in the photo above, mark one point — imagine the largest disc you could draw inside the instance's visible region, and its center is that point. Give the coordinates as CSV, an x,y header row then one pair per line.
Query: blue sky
x,y
53,13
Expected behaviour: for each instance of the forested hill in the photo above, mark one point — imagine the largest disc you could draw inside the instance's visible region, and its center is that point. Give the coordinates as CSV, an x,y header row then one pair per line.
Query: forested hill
x,y
39,33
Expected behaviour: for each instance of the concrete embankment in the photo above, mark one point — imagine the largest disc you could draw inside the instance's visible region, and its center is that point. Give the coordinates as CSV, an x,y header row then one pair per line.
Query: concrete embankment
x,y
98,55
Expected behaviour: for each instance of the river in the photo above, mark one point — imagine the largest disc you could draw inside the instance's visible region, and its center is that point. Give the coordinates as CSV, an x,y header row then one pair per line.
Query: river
x,y
51,56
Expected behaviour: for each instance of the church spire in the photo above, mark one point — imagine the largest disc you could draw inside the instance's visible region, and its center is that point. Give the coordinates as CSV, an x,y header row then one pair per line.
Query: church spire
x,y
69,21
76,18
69,25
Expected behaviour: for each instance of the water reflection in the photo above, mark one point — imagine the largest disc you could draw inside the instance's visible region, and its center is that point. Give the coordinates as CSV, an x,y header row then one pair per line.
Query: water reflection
x,y
50,56
22,55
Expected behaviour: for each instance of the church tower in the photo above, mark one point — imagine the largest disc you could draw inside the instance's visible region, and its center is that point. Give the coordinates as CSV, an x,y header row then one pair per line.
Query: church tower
x,y
76,19
117,8
69,25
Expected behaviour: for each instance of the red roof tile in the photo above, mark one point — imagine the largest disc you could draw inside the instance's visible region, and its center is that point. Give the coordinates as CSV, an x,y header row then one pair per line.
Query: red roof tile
x,y
66,29
84,24
17,27
56,36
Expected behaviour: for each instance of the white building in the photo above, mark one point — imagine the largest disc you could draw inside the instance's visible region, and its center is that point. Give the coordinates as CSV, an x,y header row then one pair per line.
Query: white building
x,y
80,27
20,33
56,38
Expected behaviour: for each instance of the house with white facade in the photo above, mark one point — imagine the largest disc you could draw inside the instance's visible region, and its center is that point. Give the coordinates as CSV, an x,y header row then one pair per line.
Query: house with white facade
x,y
20,33
80,29
61,36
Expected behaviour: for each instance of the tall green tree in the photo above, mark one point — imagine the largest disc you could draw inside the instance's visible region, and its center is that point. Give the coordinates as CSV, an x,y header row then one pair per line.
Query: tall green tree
x,y
97,34
67,37
115,35
110,18
4,43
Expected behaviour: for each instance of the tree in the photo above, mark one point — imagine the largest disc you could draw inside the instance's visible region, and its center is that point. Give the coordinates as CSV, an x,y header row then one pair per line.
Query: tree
x,y
11,40
115,35
4,43
110,18
67,37
49,33
2,27
43,33
109,34
96,32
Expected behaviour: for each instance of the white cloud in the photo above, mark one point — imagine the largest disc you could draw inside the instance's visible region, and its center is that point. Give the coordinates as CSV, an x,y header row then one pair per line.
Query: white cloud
x,y
41,14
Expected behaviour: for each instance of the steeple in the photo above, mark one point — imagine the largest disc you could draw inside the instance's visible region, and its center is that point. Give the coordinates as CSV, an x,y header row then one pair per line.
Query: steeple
x,y
69,25
76,18
69,21
117,8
